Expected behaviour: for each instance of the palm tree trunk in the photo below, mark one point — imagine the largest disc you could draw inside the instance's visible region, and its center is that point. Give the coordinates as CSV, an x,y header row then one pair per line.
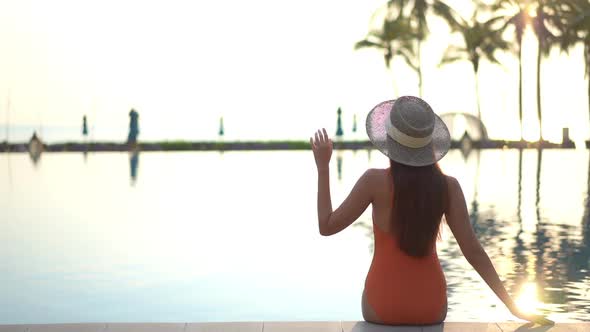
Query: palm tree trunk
x,y
539,113
520,88
420,69
477,96
8,121
588,73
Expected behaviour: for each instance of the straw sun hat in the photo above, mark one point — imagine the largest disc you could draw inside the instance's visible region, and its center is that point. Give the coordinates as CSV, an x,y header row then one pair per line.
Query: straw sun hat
x,y
407,130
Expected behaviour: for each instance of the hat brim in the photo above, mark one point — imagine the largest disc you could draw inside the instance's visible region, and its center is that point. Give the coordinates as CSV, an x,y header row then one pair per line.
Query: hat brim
x,y
427,155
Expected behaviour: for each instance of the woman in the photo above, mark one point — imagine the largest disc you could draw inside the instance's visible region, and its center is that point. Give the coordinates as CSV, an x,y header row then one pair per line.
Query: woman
x,y
405,283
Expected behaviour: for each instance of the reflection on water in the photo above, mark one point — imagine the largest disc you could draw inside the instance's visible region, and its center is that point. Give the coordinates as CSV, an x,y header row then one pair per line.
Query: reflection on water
x,y
474,206
546,265
133,165
519,205
35,156
527,298
538,185
339,164
237,240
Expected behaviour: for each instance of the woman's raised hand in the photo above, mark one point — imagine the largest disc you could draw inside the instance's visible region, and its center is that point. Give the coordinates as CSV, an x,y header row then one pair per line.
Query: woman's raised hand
x,y
322,149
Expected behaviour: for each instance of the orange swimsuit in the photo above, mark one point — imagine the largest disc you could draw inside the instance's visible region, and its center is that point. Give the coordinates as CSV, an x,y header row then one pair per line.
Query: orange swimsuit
x,y
402,289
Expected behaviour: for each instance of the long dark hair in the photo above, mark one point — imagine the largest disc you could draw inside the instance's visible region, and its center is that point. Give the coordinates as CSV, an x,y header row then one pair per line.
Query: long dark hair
x,y
419,202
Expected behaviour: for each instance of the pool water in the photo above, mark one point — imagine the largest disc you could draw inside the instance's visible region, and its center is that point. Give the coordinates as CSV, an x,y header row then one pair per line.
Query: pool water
x,y
232,236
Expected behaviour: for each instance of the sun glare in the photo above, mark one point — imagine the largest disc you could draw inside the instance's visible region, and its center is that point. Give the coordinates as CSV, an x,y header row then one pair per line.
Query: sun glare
x,y
531,12
527,300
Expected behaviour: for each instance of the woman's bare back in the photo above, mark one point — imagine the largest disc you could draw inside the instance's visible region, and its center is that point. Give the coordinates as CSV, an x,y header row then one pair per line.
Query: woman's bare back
x,y
382,199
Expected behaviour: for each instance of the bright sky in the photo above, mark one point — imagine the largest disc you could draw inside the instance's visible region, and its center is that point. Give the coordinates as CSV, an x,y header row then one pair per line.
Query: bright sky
x,y
273,69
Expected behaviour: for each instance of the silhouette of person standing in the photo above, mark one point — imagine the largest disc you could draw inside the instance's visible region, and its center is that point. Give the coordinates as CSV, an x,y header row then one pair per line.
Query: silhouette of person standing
x,y
84,126
133,128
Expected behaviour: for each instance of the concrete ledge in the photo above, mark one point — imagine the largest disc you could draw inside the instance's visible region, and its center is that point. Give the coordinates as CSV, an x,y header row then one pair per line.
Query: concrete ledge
x,y
335,326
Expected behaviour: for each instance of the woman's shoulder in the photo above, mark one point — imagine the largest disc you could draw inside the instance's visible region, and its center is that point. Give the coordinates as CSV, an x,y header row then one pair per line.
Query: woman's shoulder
x,y
450,178
378,179
454,189
452,183
377,173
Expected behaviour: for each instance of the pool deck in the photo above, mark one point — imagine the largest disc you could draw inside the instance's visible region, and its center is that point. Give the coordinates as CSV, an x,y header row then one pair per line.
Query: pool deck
x,y
335,326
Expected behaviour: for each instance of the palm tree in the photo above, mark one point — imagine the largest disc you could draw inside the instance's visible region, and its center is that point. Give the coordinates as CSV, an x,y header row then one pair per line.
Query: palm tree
x,y
581,24
573,22
481,42
395,38
418,11
545,12
518,19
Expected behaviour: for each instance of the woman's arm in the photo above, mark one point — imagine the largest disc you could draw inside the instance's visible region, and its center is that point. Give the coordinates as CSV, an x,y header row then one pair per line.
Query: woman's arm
x,y
324,199
458,221
331,222
322,152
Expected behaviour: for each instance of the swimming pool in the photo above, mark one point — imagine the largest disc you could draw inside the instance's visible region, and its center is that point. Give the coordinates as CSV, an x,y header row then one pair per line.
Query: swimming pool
x,y
209,236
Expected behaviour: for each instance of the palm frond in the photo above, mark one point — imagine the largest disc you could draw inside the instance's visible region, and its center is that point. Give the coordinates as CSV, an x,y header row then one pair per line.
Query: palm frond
x,y
490,23
448,14
450,59
454,53
365,43
408,58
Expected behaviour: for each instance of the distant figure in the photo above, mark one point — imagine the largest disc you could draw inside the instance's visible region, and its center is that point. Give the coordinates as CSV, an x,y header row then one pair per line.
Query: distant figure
x,y
339,132
84,126
354,123
221,129
35,147
405,284
133,128
85,134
